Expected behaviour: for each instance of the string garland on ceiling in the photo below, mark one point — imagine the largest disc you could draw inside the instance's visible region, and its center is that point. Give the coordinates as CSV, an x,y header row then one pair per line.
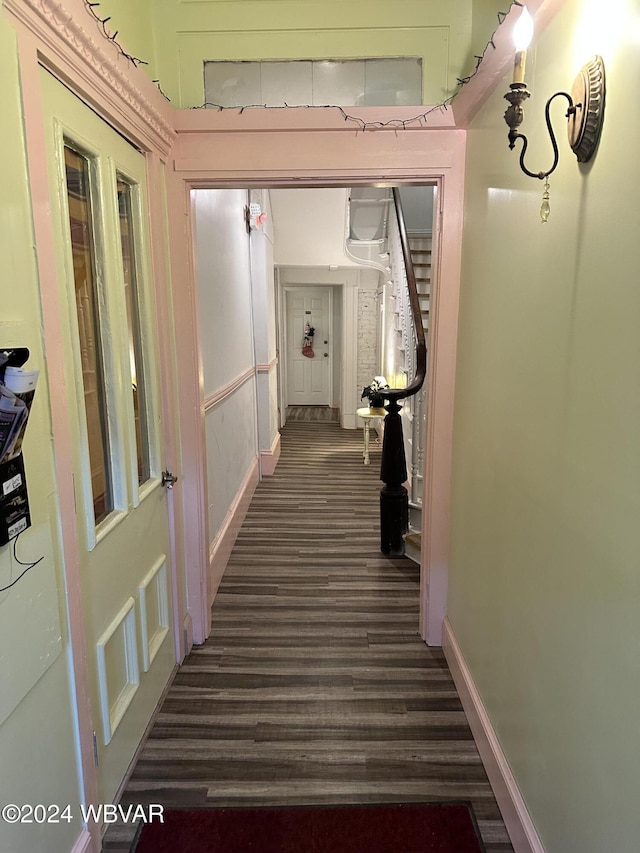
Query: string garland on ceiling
x,y
134,60
398,123
112,37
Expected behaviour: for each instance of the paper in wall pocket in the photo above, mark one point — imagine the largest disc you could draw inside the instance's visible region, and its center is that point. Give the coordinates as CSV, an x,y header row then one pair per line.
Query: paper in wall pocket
x,y
16,397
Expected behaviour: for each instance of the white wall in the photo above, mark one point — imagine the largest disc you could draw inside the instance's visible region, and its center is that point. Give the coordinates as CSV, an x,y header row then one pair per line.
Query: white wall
x,y
231,450
264,322
368,330
224,286
417,208
262,252
338,337
310,227
223,269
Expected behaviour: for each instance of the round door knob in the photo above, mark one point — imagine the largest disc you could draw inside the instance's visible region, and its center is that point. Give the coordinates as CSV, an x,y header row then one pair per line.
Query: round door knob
x,y
326,355
326,342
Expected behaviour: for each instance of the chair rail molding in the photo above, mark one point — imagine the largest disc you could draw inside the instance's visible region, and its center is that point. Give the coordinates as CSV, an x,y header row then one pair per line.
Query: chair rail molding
x,y
93,67
267,367
226,390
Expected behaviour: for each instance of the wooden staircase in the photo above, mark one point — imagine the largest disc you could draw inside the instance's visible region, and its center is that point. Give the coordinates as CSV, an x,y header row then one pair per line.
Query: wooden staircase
x,y
404,259
420,246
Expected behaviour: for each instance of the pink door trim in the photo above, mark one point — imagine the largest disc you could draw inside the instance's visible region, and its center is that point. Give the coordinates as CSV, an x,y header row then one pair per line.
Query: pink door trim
x,y
274,148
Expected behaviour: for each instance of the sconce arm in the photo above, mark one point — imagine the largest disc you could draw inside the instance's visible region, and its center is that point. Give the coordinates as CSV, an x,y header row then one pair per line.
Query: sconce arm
x,y
515,135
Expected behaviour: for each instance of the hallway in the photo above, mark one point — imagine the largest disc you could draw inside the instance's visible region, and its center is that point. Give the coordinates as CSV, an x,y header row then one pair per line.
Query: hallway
x,y
314,686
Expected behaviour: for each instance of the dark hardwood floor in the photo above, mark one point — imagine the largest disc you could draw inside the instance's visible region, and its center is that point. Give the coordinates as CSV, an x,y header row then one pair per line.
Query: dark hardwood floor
x,y
312,413
314,686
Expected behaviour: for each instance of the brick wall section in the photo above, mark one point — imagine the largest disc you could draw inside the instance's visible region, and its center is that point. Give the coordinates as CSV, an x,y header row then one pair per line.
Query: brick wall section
x,y
368,355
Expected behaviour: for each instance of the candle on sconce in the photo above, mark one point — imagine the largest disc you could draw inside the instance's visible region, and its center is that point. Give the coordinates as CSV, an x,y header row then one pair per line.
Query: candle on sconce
x,y
522,35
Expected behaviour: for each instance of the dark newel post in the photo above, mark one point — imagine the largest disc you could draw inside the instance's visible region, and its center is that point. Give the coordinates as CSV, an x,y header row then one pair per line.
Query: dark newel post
x,y
394,502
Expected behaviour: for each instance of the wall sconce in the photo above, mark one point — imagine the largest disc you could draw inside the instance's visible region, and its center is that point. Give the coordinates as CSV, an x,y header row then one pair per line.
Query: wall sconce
x,y
584,115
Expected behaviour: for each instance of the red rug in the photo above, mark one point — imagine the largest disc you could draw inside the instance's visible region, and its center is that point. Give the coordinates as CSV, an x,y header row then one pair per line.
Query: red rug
x,y
411,828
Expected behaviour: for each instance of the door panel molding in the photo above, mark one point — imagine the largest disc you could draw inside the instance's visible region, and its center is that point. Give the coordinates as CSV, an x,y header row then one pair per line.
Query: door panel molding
x,y
121,632
153,601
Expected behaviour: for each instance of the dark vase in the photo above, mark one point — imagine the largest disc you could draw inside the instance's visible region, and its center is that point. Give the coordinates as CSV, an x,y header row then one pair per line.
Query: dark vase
x,y
376,401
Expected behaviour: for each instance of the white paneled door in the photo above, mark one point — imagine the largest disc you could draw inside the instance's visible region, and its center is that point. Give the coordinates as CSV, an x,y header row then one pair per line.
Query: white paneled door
x,y
309,378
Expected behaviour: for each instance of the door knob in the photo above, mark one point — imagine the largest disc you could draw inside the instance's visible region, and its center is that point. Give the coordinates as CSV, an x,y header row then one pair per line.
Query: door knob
x,y
168,479
326,355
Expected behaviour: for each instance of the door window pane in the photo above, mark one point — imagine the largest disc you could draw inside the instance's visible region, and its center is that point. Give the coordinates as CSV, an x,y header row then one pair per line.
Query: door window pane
x,y
87,306
136,361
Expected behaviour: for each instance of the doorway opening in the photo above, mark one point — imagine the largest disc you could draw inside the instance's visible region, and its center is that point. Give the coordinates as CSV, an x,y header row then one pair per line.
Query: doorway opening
x,y
318,287
202,581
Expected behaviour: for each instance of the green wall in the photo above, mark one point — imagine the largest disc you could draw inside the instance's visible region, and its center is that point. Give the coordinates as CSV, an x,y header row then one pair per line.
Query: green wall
x,y
188,33
132,20
484,22
37,749
175,37
545,582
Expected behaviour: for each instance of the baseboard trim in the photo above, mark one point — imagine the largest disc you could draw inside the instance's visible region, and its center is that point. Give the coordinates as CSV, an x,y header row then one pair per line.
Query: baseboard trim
x,y
348,420
222,545
517,819
187,627
269,458
83,842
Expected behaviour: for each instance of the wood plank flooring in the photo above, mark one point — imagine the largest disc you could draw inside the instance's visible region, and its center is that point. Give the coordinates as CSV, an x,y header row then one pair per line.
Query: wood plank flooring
x,y
314,686
312,413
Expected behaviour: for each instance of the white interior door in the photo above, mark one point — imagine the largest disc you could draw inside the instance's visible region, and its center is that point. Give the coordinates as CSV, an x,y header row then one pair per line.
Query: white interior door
x,y
99,214
309,379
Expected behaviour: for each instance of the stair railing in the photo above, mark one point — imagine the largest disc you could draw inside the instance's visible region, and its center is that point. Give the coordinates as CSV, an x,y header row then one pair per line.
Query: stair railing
x,y
394,500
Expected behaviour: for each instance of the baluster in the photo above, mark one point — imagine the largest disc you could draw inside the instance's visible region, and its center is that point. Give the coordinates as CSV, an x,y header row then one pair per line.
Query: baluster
x,y
394,501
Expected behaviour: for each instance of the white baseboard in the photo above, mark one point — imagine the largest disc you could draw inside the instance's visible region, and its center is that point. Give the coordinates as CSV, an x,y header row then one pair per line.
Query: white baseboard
x,y
83,842
269,458
517,819
348,420
187,628
222,545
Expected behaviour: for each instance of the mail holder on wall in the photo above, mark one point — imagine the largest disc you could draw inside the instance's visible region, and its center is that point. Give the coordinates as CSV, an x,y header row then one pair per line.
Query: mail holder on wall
x,y
14,500
17,387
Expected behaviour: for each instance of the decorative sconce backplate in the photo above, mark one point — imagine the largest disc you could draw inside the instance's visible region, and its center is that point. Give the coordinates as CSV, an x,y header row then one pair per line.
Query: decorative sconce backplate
x,y
585,123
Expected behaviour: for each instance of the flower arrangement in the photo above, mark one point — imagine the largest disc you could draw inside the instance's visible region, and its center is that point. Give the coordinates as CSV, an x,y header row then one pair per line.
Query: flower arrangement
x,y
373,392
